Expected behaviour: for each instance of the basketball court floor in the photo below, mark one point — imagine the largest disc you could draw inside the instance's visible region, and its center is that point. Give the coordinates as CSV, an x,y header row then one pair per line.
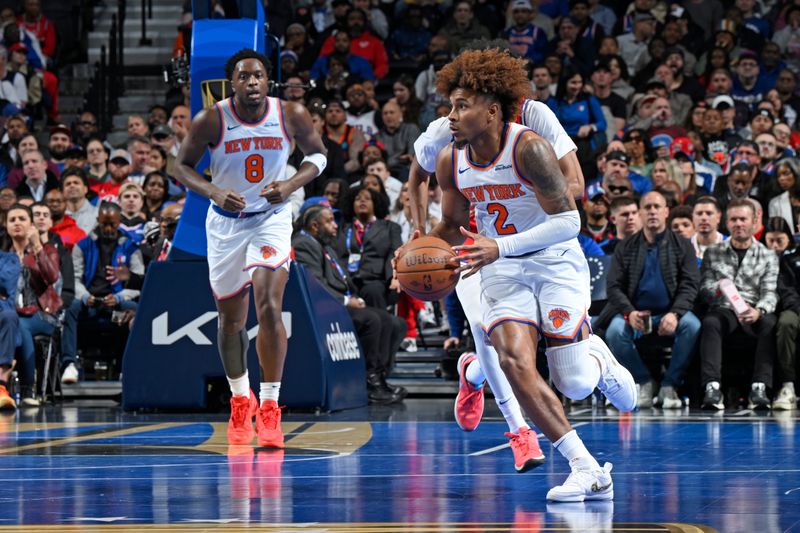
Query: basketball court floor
x,y
377,470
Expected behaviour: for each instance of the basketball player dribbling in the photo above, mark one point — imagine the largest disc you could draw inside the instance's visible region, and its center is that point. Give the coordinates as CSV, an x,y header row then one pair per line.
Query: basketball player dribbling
x,y
614,380
534,276
249,227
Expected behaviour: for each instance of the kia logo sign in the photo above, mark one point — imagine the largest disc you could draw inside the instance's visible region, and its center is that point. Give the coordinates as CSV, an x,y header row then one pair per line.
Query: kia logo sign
x,y
161,335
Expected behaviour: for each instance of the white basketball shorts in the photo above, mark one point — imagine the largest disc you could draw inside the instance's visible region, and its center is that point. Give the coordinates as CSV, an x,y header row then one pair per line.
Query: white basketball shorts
x,y
237,246
548,290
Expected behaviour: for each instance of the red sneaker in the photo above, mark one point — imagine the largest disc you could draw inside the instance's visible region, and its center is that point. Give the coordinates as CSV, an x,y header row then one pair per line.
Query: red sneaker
x,y
527,453
268,425
468,409
6,401
240,425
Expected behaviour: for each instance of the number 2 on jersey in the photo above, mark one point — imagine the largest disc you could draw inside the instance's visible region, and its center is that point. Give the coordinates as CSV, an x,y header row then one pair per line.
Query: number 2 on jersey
x,y
254,168
500,222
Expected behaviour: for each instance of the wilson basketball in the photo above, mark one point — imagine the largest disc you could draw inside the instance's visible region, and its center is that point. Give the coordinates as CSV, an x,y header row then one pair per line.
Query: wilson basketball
x,y
426,269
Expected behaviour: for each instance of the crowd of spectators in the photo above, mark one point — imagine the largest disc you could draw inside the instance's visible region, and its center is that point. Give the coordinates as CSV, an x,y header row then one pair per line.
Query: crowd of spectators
x,y
684,114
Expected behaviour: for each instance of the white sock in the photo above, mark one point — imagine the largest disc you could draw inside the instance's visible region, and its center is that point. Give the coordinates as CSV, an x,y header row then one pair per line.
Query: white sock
x,y
789,385
474,373
270,390
512,413
571,447
240,386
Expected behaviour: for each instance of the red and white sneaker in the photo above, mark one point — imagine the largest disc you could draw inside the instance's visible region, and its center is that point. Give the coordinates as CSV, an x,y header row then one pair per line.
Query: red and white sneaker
x,y
268,425
468,409
527,453
240,425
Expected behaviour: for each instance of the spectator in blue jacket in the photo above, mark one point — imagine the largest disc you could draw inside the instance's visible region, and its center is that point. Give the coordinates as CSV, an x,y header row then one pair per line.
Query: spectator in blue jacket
x,y
108,274
357,66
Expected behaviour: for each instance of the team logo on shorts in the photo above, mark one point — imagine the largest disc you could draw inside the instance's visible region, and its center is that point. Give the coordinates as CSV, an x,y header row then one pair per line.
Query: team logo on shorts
x,y
558,317
268,251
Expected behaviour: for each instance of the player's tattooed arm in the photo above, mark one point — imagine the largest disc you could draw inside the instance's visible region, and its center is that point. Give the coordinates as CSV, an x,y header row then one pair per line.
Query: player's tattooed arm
x,y
539,166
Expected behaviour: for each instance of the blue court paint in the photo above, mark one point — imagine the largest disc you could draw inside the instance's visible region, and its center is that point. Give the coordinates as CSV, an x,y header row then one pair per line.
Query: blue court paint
x,y
732,475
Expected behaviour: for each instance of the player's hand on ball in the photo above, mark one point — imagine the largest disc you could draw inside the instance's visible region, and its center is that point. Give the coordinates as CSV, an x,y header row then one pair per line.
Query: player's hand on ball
x,y
276,192
481,252
228,199
399,253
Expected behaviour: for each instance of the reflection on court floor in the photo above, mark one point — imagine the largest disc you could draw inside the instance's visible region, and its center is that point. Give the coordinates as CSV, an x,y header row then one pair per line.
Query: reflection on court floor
x,y
116,472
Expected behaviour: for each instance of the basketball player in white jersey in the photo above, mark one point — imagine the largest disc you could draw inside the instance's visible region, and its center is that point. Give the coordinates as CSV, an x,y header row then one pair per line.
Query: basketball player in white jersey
x,y
534,277
474,371
249,226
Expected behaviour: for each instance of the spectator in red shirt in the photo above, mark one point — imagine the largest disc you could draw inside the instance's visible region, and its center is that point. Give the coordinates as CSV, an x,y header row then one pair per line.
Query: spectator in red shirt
x,y
63,225
119,167
362,43
39,25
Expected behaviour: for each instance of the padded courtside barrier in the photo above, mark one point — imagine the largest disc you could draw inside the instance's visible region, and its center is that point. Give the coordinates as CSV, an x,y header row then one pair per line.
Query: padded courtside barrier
x,y
172,350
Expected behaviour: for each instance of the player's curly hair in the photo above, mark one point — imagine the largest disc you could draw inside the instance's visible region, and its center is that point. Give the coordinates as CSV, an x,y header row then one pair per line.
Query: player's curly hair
x,y
245,53
493,72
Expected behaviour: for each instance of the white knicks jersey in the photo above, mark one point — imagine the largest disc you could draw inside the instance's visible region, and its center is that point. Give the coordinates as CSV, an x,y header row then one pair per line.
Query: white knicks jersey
x,y
250,155
535,115
503,200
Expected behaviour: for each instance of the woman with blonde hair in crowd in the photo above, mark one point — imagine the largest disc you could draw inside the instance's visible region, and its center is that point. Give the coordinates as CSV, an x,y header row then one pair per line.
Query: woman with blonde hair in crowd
x,y
666,169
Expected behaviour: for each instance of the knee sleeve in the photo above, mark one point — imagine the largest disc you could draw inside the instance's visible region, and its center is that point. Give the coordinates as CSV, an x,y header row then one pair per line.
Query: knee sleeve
x,y
233,352
574,373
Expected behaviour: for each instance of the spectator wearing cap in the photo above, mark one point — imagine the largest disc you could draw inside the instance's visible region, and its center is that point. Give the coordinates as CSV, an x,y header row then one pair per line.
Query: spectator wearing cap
x,y
787,204
462,27
718,142
761,121
617,165
654,270
18,62
362,43
633,46
12,84
527,39
747,87
359,113
76,156
597,225
86,127
37,180
398,137
409,41
75,186
164,136
611,101
289,62
356,65
119,167
63,225
572,48
296,40
695,179
60,141
295,91
348,138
